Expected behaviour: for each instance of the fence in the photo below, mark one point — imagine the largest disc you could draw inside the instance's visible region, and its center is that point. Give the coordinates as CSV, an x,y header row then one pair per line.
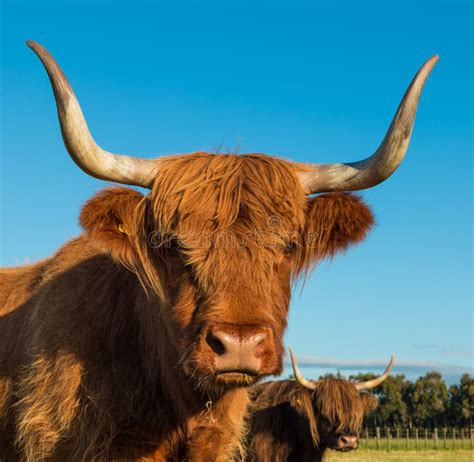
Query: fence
x,y
392,439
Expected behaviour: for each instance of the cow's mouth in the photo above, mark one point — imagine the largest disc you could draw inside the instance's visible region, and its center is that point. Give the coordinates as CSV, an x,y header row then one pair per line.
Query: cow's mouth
x,y
237,377
337,448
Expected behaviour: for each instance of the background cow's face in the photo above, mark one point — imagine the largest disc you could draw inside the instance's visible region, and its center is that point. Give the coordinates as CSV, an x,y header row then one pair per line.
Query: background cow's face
x,y
339,409
219,239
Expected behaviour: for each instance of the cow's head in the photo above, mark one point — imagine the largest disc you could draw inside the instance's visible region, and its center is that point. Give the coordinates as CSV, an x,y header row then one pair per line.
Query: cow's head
x,y
219,237
335,408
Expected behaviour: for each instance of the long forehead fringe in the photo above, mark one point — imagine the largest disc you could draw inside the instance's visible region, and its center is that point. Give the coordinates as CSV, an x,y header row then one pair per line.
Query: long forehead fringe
x,y
225,208
213,188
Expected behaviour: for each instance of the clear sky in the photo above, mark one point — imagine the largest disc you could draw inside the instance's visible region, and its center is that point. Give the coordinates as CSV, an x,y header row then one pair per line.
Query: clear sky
x,y
310,81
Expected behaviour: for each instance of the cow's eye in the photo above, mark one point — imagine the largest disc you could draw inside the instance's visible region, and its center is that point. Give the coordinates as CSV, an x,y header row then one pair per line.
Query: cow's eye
x,y
173,244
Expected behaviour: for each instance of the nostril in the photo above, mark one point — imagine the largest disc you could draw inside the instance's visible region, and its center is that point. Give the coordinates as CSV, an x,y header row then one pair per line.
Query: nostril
x,y
259,338
238,345
259,343
215,343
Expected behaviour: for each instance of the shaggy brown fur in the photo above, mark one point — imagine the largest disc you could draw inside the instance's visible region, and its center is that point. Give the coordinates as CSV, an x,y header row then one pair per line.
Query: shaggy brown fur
x,y
291,423
103,351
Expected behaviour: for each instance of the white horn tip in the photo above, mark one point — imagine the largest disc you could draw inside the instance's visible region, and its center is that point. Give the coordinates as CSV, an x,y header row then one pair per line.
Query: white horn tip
x,y
33,45
430,64
392,358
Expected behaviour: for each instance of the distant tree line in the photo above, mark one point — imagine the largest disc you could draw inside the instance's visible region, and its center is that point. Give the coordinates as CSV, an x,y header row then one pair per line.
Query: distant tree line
x,y
428,402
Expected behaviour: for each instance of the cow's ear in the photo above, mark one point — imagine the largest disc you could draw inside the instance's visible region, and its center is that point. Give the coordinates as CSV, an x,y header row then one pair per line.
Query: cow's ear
x,y
112,219
333,222
369,402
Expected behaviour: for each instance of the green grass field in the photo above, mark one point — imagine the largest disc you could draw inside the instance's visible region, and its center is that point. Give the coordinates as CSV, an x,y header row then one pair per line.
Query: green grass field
x,y
361,455
411,445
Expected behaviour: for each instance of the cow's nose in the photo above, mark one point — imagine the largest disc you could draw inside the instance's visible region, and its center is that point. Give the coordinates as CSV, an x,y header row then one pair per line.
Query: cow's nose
x,y
238,348
347,442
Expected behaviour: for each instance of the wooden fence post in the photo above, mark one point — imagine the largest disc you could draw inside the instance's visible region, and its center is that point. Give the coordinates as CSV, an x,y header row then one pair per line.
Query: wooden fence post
x,y
416,438
435,438
377,437
426,438
366,438
462,438
398,437
445,430
408,437
454,438
389,435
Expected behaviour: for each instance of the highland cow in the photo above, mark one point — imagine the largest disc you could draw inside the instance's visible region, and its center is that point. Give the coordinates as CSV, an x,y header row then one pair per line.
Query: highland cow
x,y
138,339
298,420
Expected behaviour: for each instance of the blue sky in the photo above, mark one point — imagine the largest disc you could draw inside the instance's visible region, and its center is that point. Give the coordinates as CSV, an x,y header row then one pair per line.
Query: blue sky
x,y
309,81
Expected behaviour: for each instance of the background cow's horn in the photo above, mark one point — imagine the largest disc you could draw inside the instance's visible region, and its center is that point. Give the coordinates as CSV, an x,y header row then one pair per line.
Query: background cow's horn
x,y
378,380
298,375
378,167
78,140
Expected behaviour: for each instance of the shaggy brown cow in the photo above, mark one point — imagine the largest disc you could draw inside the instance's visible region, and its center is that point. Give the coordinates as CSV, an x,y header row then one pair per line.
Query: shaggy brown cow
x,y
136,340
298,420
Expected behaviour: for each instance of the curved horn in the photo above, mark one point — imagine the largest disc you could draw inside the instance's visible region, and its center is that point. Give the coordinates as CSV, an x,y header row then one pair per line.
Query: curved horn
x,y
369,172
378,380
299,377
78,140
